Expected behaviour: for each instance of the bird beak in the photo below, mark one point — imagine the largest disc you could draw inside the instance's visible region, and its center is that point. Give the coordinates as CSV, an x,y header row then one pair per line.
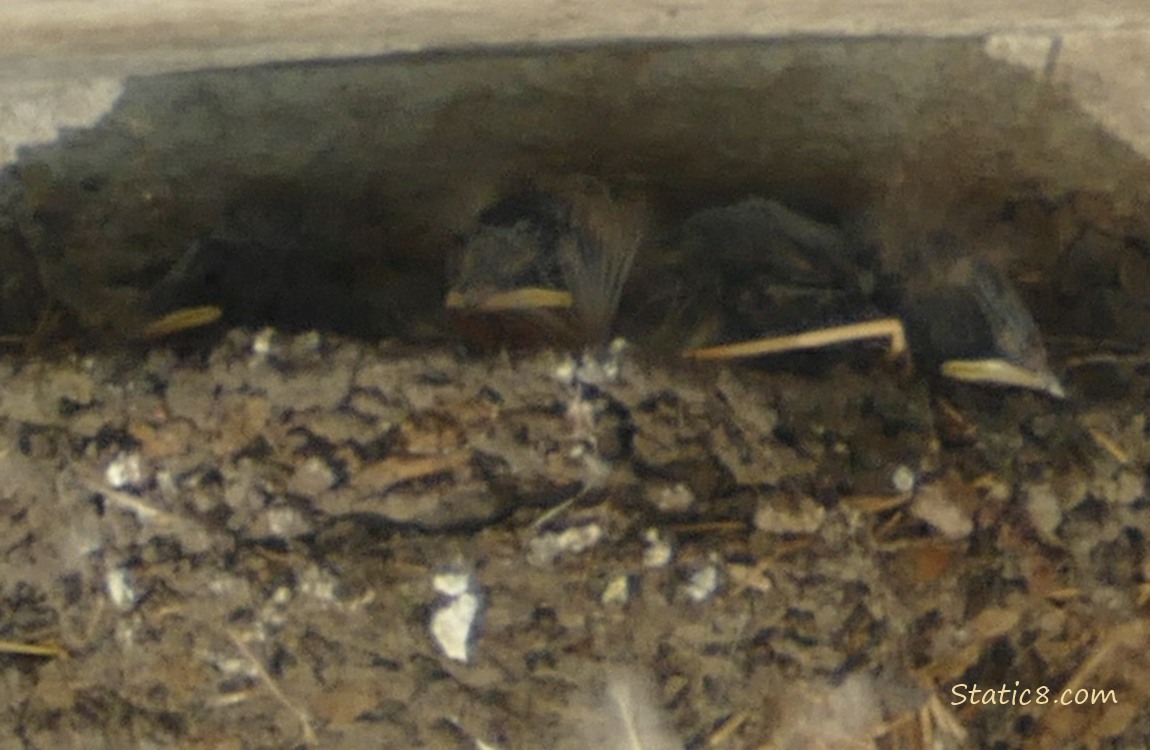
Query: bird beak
x,y
1003,373
527,298
181,320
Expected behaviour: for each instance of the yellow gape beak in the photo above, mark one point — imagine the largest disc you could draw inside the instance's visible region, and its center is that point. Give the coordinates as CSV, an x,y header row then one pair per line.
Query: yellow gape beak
x,y
527,298
546,264
181,320
1002,373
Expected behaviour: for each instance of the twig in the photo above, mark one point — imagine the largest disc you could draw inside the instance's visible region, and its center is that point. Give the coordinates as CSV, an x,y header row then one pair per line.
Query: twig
x,y
309,737
883,328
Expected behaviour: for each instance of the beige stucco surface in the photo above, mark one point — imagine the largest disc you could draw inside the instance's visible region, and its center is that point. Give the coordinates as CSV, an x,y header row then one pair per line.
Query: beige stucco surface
x,y
62,59
113,36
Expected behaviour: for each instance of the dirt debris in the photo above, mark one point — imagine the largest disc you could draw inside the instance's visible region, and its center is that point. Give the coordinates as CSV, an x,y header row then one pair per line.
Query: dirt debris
x,y
237,548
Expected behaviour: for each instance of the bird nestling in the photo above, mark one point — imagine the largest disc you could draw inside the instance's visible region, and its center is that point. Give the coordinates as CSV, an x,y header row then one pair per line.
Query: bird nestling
x,y
546,264
968,323
959,315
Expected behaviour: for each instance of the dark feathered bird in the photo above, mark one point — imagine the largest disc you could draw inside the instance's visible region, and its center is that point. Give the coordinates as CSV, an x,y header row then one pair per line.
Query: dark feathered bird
x,y
965,320
958,313
546,265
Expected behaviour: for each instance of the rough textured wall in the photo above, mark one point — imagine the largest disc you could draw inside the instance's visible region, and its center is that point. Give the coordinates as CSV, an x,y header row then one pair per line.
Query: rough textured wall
x,y
61,61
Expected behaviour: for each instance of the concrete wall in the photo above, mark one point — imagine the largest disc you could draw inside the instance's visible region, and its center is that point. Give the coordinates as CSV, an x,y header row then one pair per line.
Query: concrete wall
x,y
61,61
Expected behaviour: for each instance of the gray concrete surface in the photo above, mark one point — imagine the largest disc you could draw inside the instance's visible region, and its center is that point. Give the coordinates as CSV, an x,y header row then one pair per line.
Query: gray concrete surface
x,y
76,49
116,36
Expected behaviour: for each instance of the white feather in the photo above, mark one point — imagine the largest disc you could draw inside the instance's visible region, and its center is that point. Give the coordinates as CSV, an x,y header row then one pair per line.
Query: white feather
x,y
631,718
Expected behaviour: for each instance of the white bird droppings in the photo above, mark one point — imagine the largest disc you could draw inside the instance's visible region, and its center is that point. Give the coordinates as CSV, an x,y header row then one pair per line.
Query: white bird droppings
x,y
453,622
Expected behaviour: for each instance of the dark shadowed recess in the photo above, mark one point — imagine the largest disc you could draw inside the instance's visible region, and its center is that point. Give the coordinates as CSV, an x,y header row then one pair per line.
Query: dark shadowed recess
x,y
326,195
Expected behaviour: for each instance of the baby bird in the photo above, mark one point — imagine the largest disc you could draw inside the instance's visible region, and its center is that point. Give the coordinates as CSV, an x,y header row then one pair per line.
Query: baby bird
x,y
958,313
965,320
546,265
745,270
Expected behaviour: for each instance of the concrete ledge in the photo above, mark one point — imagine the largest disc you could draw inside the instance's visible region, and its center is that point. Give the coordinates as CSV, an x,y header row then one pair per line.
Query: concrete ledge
x,y
131,36
61,59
